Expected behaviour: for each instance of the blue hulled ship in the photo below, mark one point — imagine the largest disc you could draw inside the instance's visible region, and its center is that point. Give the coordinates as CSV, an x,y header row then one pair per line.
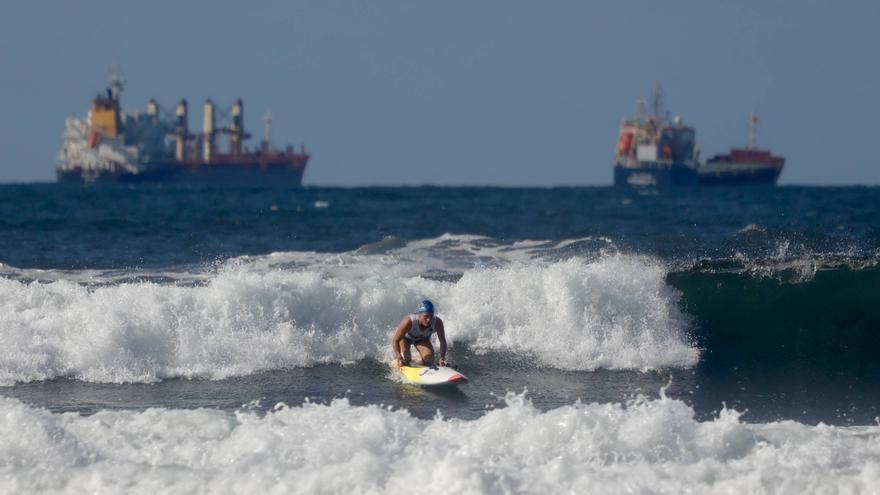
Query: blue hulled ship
x,y
653,150
656,151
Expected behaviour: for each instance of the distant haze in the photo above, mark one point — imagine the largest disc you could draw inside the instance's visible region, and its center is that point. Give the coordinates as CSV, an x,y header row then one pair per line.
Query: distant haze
x,y
509,93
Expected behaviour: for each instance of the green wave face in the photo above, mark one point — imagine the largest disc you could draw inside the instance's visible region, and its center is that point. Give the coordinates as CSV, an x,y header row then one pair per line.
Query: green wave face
x,y
828,323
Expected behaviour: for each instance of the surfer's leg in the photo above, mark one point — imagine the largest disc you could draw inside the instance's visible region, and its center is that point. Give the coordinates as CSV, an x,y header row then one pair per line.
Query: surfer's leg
x,y
426,350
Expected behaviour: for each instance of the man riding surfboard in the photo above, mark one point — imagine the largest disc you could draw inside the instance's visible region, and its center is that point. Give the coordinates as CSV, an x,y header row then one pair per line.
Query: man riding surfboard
x,y
417,329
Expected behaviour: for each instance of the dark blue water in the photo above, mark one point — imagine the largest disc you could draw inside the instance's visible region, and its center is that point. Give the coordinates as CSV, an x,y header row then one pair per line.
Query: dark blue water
x,y
778,288
55,226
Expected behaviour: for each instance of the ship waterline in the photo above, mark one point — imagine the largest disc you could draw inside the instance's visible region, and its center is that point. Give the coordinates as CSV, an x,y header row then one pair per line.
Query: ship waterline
x,y
733,173
286,171
653,176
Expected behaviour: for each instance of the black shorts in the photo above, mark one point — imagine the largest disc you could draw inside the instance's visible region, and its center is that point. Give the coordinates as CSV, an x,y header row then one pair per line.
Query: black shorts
x,y
410,341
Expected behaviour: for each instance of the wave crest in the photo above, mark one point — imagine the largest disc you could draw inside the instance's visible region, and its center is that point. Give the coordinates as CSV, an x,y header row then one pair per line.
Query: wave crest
x,y
615,312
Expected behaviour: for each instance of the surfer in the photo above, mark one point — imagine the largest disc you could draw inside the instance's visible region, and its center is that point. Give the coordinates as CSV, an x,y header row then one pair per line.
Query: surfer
x,y
416,329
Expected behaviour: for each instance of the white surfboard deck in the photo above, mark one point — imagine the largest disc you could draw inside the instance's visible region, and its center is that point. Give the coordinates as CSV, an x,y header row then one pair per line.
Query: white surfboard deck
x,y
431,376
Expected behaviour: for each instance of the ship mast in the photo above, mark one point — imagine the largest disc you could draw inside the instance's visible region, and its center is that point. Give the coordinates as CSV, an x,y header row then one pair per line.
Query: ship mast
x,y
753,131
267,127
642,109
116,82
657,99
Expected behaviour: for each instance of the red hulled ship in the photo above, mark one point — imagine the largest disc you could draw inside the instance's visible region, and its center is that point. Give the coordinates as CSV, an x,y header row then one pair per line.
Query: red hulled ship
x,y
112,145
748,165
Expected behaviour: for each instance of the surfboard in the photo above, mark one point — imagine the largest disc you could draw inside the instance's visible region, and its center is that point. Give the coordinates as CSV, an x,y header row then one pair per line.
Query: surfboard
x,y
431,376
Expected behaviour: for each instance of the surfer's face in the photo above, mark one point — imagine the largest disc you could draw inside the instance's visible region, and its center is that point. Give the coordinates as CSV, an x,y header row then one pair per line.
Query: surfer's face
x,y
425,319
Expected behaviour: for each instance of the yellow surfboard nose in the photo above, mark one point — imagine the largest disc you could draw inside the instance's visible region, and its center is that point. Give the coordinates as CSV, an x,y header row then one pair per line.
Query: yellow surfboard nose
x,y
437,375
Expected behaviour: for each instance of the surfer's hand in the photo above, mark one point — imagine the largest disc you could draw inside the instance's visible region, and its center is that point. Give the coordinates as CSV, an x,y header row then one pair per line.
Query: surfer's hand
x,y
401,362
442,362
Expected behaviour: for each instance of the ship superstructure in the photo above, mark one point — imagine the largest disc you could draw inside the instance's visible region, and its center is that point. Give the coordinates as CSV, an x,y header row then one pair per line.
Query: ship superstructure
x,y
748,165
654,150
113,145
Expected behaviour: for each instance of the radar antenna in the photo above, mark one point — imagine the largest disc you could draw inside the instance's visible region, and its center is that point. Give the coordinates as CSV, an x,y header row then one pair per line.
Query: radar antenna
x,y
657,99
116,82
641,104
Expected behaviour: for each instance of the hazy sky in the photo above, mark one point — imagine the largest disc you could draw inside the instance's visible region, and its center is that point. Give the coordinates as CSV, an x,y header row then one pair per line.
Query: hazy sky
x,y
459,92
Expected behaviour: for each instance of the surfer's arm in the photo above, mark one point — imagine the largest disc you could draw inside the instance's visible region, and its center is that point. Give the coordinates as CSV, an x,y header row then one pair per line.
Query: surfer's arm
x,y
441,336
404,327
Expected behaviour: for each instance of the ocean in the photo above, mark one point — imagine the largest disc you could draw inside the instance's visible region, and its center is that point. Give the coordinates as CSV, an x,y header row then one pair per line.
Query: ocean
x,y
230,340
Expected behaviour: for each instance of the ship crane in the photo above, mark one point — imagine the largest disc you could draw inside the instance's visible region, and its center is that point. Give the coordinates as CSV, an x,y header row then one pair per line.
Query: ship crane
x,y
753,131
267,129
234,127
215,122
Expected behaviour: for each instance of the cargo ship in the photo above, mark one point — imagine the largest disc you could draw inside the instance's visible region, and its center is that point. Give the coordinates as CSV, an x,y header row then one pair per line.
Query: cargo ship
x,y
748,165
656,151
653,150
113,145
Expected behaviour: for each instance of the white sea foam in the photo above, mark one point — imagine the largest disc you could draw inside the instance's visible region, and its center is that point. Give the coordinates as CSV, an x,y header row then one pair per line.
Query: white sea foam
x,y
752,227
300,309
616,313
644,447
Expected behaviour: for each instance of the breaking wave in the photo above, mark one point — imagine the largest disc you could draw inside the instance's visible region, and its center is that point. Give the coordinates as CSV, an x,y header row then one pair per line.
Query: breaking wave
x,y
577,304
647,446
300,309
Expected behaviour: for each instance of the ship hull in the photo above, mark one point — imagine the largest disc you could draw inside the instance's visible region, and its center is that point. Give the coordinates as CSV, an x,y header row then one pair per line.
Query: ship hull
x,y
238,174
728,173
654,176
758,177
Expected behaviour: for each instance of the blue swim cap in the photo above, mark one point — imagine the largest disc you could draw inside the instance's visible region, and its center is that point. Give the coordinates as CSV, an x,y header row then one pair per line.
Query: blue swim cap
x,y
426,306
